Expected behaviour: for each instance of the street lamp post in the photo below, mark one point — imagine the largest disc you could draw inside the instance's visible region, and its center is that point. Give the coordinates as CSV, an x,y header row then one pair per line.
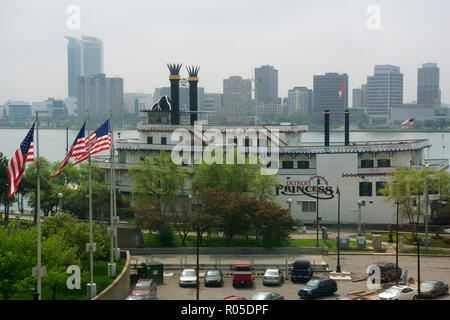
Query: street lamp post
x,y
317,213
338,267
396,248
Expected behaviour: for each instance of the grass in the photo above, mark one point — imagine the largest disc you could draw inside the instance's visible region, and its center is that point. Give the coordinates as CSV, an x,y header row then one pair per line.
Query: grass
x,y
63,293
434,243
422,251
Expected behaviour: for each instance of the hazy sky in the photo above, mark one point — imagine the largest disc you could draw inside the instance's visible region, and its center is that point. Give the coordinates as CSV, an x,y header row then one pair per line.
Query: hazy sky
x,y
299,37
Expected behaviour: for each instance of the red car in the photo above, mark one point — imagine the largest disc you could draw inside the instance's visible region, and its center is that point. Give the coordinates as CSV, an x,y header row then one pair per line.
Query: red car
x,y
353,297
145,287
234,298
242,275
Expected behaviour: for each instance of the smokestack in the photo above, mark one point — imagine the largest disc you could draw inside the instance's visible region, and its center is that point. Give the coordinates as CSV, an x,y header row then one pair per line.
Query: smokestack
x,y
193,100
347,126
175,92
326,114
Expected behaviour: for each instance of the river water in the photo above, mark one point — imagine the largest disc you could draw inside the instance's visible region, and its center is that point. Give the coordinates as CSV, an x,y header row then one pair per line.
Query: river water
x,y
52,143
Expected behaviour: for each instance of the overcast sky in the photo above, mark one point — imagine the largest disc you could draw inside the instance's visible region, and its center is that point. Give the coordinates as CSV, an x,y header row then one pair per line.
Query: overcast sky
x,y
299,37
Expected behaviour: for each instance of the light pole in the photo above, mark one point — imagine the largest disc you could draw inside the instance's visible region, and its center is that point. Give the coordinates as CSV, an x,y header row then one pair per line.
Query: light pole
x,y
426,207
396,248
289,202
338,266
317,213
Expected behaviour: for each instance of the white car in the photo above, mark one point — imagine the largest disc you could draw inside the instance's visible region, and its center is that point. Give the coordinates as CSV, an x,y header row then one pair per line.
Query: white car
x,y
188,277
273,276
399,293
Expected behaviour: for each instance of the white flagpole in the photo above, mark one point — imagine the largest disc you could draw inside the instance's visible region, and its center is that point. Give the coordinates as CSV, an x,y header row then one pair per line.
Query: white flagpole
x,y
111,265
39,272
92,290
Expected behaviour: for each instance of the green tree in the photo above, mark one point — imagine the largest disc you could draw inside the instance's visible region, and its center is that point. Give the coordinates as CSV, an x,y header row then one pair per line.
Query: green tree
x,y
4,185
298,117
17,258
273,224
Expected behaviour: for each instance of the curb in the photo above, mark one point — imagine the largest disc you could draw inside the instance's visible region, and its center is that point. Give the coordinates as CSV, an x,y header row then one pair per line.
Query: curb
x,y
391,254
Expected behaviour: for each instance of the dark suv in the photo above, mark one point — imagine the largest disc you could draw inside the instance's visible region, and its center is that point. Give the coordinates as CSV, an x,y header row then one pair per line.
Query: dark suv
x,y
319,287
301,269
387,271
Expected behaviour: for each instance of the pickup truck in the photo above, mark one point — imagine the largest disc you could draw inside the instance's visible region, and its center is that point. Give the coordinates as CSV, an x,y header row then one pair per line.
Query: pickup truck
x,y
301,269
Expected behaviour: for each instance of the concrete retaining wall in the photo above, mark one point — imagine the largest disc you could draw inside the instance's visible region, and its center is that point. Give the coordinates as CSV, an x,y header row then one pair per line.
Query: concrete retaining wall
x,y
120,288
226,250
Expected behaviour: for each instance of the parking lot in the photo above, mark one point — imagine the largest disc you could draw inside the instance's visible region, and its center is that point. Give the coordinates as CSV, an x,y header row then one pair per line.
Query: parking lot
x,y
433,268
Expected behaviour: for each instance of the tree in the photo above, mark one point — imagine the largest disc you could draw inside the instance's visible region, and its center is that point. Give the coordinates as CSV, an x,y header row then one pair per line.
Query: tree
x,y
17,258
4,185
273,223
298,117
407,187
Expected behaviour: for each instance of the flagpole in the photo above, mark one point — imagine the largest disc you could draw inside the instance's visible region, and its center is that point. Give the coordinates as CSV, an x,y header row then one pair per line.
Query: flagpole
x,y
111,265
38,272
92,289
115,219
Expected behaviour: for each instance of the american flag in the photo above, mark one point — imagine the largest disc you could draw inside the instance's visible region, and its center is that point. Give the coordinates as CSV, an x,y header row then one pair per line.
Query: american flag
x,y
341,92
18,162
76,149
100,140
408,122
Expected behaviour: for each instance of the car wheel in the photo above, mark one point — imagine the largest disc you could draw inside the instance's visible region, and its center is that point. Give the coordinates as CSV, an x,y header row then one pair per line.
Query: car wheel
x,y
415,298
433,295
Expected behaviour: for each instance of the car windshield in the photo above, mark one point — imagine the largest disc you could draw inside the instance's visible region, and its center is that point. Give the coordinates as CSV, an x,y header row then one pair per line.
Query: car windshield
x,y
213,273
142,286
259,296
427,284
301,265
313,283
271,273
188,274
242,269
393,290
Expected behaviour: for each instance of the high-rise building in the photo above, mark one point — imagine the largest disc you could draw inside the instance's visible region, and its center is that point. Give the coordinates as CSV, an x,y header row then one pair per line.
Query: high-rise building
x,y
363,95
99,94
237,95
428,89
331,93
134,102
84,58
384,91
266,78
357,98
19,110
300,99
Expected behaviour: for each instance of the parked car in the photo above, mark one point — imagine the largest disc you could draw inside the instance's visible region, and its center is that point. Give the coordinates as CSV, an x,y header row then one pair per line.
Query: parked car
x,y
273,276
188,277
267,296
132,297
353,297
432,289
213,278
145,287
242,275
319,287
234,298
301,269
388,271
399,293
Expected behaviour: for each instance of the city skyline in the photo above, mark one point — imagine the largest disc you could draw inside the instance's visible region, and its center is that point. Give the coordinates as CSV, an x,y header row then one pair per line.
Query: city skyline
x,y
131,49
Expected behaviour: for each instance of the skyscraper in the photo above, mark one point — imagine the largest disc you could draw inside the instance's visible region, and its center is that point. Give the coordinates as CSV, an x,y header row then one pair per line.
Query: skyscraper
x,y
266,78
300,99
357,98
384,91
331,93
99,94
428,90
237,95
84,58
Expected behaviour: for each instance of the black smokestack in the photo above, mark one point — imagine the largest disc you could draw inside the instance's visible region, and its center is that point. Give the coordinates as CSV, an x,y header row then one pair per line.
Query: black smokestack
x,y
193,100
347,127
326,114
175,92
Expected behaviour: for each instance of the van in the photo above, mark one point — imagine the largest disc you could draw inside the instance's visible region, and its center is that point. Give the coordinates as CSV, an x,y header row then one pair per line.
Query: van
x,y
242,275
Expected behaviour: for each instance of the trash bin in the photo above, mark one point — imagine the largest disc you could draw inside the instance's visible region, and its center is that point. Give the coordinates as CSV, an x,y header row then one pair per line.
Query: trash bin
x,y
303,230
344,243
324,233
376,242
154,270
361,242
